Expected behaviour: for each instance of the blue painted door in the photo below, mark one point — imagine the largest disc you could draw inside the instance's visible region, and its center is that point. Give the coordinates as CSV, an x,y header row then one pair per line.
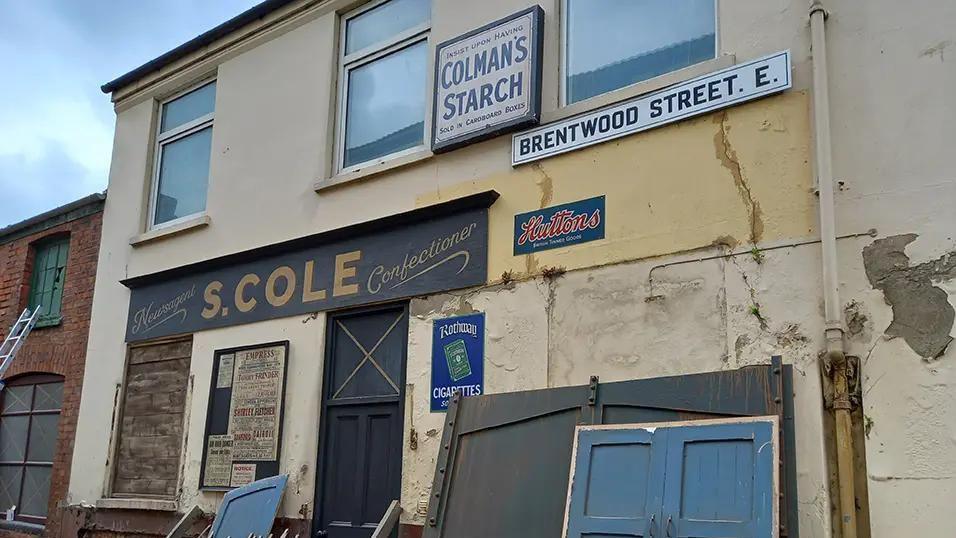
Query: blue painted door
x,y
616,488
688,481
719,481
250,509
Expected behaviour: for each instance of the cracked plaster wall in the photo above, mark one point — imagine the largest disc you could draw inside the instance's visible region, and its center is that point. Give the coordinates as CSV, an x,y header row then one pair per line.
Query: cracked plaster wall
x,y
617,323
893,122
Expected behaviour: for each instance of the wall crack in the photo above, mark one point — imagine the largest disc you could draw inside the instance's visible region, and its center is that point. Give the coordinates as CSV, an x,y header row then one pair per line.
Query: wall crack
x,y
546,184
727,156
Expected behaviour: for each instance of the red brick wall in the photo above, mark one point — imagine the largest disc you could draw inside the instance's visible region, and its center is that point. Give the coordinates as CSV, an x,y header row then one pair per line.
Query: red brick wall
x,y
60,349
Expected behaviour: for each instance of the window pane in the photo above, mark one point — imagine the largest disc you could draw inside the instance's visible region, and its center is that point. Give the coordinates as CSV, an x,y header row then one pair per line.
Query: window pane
x,y
614,43
40,260
13,438
42,438
385,21
386,105
36,491
16,399
9,486
48,396
183,176
189,107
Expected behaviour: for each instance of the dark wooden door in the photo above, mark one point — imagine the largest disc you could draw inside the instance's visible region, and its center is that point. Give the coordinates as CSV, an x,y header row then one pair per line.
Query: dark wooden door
x,y
360,455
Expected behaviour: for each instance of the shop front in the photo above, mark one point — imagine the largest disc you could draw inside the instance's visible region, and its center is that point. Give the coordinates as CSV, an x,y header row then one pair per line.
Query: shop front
x,y
359,280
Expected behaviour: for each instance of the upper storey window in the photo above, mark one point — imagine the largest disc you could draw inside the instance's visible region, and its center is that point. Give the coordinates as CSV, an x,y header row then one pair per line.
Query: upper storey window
x,y
610,44
384,57
185,144
46,282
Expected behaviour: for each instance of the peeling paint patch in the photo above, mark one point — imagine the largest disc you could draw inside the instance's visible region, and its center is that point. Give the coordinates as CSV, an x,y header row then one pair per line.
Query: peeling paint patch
x,y
740,343
727,241
856,319
445,304
938,49
922,315
425,306
791,336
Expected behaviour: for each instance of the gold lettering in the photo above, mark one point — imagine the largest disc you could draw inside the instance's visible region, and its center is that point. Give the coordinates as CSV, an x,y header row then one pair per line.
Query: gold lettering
x,y
241,303
343,271
214,302
308,294
286,272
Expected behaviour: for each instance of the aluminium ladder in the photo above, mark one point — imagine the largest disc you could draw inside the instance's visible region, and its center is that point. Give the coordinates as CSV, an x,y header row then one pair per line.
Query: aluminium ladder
x,y
18,333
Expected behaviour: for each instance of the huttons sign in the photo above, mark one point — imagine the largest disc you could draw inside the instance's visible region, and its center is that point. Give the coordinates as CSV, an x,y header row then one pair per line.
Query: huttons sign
x,y
728,87
433,255
560,226
488,81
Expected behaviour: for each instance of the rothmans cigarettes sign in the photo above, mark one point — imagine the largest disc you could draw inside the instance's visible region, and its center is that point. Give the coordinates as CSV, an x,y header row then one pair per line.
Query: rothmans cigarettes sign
x,y
728,87
488,81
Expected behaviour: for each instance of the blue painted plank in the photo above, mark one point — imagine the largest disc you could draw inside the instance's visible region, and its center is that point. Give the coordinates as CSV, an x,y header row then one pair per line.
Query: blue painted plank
x,y
719,480
250,509
617,485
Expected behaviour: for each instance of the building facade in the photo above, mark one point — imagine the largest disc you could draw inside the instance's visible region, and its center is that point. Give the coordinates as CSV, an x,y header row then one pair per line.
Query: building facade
x,y
48,261
303,198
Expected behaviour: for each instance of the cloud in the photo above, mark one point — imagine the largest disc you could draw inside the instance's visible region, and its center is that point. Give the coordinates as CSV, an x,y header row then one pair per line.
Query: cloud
x,y
56,127
48,178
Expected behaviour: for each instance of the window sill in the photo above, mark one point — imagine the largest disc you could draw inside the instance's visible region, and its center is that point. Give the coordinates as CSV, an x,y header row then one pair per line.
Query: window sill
x,y
640,88
373,170
169,231
49,322
22,526
162,505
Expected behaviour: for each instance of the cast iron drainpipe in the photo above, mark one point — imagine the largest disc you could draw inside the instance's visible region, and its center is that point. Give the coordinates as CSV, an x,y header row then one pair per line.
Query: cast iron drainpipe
x,y
835,354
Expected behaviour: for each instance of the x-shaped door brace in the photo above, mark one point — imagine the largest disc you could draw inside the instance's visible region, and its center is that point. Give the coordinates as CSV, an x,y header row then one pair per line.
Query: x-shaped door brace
x,y
368,356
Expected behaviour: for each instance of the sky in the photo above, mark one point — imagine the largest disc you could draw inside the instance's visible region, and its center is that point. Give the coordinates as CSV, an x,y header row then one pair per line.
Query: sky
x,y
56,126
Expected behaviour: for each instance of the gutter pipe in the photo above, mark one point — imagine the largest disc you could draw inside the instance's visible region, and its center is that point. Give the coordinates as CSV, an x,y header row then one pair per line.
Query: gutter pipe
x,y
835,350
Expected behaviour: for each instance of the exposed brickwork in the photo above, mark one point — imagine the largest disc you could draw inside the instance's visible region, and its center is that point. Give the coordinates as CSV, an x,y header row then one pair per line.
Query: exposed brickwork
x,y
59,349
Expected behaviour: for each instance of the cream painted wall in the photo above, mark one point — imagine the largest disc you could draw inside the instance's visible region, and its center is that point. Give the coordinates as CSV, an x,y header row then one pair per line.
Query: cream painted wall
x,y
306,337
672,193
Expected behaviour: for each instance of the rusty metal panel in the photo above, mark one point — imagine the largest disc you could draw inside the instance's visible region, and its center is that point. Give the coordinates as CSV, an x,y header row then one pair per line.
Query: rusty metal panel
x,y
503,466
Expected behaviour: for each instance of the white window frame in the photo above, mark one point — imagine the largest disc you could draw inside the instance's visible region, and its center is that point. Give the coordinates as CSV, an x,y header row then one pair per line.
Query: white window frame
x,y
349,62
163,138
564,54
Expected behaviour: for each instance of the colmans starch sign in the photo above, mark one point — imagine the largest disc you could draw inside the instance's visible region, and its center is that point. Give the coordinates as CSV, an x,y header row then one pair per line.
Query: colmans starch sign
x,y
488,80
559,226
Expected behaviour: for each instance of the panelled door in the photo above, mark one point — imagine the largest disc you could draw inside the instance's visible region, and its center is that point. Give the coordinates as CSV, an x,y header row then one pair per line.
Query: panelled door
x,y
620,489
705,480
719,480
360,455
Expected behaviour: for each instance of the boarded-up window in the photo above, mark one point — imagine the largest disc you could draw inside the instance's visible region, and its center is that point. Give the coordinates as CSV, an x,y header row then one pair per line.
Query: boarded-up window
x,y
151,433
